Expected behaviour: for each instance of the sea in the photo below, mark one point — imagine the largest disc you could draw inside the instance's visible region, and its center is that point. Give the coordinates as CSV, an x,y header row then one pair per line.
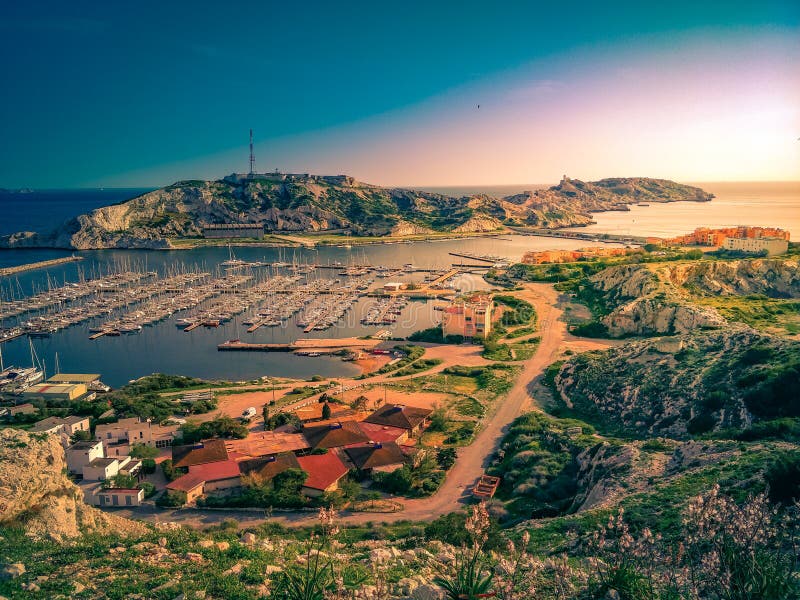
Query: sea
x,y
166,348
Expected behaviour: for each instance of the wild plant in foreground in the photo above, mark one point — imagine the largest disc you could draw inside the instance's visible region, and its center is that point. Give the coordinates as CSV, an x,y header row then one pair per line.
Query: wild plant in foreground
x,y
740,552
470,575
312,577
516,574
726,552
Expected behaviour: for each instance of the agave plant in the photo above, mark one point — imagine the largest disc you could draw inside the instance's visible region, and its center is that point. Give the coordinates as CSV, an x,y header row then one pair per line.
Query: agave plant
x,y
470,577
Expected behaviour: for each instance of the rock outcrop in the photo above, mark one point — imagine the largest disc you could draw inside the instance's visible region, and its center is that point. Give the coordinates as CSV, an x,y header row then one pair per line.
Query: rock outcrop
x,y
695,383
35,492
298,203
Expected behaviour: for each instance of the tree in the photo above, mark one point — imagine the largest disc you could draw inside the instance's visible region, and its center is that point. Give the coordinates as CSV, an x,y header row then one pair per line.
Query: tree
x,y
265,414
323,398
281,419
360,403
120,480
326,411
221,427
82,435
148,466
143,451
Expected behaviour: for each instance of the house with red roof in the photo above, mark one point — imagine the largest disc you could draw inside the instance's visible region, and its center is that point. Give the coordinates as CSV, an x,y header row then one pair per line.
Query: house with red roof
x,y
383,433
382,457
206,478
410,418
324,472
334,435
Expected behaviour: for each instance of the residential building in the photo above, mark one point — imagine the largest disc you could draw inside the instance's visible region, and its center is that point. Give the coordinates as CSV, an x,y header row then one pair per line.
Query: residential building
x,y
410,418
207,451
81,454
324,473
66,426
334,435
267,443
207,478
468,317
771,246
100,469
118,437
384,433
110,497
382,457
267,467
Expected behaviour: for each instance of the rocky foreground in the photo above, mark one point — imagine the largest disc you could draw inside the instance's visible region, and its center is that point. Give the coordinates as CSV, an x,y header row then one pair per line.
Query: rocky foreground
x,y
309,203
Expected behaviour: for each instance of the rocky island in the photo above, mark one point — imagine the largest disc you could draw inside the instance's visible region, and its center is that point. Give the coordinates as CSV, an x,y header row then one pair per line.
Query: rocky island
x,y
286,203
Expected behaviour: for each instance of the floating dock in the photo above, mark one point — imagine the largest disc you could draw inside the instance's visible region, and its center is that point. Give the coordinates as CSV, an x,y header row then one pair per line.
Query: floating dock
x,y
42,264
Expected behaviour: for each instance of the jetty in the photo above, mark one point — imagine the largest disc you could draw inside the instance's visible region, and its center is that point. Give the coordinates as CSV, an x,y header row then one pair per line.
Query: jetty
x,y
42,264
605,238
322,345
481,258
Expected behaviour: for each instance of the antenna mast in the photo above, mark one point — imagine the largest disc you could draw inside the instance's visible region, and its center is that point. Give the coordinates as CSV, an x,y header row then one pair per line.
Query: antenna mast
x,y
252,155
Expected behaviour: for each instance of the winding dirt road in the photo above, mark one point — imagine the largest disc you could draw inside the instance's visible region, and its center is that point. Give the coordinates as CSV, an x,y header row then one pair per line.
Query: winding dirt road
x,y
472,460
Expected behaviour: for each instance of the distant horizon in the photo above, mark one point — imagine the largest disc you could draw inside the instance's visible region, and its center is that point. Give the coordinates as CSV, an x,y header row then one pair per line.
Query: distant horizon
x,y
405,186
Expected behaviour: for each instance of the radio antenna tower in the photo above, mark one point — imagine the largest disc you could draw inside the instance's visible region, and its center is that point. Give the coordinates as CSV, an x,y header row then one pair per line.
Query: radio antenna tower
x,y
252,155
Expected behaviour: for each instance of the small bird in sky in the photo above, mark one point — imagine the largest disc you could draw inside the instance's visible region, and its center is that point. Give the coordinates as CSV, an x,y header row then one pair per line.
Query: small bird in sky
x,y
479,105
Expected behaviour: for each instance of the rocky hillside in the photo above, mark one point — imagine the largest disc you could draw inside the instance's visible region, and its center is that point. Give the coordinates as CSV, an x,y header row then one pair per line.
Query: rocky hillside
x,y
687,384
660,298
301,203
35,492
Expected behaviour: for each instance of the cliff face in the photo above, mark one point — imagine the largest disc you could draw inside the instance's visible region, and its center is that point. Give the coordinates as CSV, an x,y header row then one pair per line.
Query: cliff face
x,y
296,203
657,299
35,492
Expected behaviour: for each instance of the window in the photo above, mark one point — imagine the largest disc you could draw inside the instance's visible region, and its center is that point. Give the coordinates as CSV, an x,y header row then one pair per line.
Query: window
x,y
128,500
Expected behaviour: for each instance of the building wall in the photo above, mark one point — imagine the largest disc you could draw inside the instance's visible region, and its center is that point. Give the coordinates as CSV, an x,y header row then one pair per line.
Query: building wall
x,y
100,473
78,459
773,246
222,484
109,498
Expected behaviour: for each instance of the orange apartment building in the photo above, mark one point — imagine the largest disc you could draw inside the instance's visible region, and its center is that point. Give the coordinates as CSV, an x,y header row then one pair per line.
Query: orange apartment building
x,y
468,317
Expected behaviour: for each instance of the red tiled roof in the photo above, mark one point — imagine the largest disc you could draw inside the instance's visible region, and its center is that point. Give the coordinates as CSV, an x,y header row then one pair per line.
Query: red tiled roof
x,y
201,474
266,443
371,456
334,435
186,483
224,469
267,467
197,454
323,470
399,415
381,433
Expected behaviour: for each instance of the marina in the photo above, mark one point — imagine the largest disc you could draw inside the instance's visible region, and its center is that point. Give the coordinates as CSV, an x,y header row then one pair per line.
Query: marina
x,y
328,292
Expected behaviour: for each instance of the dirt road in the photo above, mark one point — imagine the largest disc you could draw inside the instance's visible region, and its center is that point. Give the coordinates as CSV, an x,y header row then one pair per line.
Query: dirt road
x,y
471,462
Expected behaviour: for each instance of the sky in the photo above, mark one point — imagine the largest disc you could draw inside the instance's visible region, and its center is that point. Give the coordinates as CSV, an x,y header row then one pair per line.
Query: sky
x,y
398,93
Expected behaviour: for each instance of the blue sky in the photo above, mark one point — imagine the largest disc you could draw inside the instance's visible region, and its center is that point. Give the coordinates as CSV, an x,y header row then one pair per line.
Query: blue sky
x,y
149,92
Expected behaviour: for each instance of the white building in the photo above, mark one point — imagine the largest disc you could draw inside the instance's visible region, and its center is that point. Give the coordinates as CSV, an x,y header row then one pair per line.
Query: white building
x,y
772,246
81,454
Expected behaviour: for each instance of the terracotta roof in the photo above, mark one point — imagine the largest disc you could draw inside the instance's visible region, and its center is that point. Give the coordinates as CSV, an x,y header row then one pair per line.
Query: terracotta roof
x,y
334,435
186,483
370,456
323,470
269,466
381,433
399,415
197,454
203,473
266,443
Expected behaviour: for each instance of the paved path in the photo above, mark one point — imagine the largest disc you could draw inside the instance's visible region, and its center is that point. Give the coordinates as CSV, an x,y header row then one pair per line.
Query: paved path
x,y
472,460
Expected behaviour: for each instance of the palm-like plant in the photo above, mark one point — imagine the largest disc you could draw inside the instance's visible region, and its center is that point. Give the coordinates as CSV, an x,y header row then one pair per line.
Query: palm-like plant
x,y
314,579
471,575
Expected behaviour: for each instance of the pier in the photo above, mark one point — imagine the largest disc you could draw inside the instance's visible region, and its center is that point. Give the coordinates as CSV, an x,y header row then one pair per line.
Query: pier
x,y
42,264
323,346
603,238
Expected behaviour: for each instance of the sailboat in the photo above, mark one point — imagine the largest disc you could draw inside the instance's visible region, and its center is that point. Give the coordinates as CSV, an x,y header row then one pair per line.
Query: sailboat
x,y
16,379
233,261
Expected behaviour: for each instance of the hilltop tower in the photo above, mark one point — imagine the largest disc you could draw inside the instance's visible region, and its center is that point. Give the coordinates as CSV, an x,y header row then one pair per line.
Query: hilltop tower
x,y
252,155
